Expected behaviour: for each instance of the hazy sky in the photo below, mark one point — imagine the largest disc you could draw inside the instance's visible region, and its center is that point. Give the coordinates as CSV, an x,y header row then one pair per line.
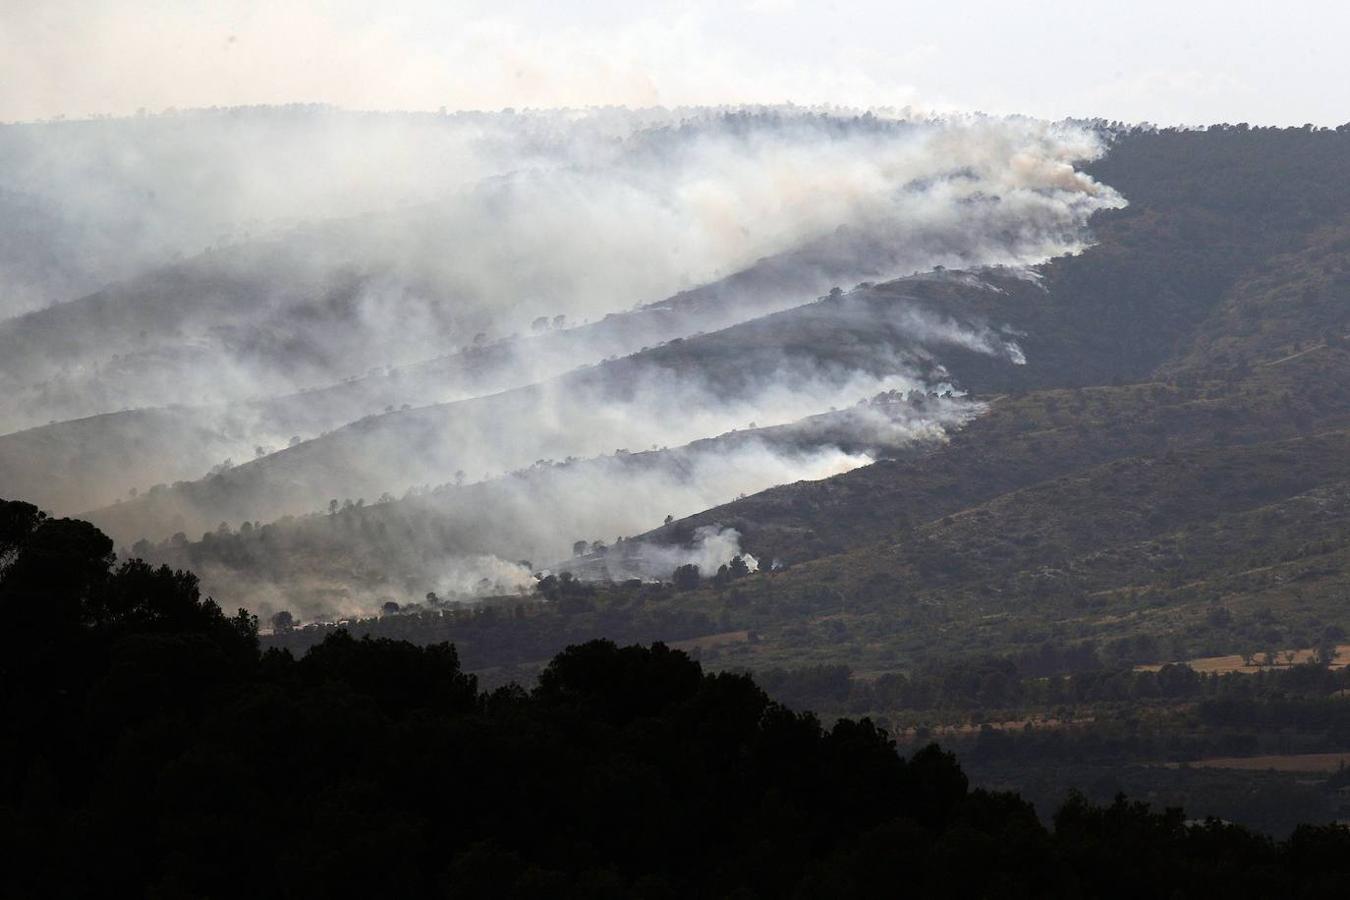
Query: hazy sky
x,y
1170,61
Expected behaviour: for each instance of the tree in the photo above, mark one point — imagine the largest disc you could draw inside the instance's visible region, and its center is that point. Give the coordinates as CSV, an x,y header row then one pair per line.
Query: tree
x,y
389,608
283,621
579,548
18,521
52,569
686,577
738,567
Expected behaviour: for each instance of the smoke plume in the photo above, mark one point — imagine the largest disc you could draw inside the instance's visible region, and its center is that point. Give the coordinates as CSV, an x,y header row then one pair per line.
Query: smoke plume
x,y
323,306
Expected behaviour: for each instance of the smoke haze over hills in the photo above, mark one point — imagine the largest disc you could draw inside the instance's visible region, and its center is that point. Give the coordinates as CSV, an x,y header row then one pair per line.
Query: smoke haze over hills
x,y
491,262
374,376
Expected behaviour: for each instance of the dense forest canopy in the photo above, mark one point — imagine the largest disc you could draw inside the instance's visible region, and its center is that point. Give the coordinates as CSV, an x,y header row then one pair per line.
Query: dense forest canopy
x,y
147,736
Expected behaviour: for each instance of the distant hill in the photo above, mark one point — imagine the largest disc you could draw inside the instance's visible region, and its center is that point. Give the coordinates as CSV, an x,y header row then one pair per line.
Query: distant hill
x,y
1206,317
448,539
839,350
239,302
1174,444
1199,279
140,448
1209,314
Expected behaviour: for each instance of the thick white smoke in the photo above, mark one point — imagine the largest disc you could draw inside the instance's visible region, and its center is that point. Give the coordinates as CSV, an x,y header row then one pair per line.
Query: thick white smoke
x,y
712,547
383,246
463,541
512,217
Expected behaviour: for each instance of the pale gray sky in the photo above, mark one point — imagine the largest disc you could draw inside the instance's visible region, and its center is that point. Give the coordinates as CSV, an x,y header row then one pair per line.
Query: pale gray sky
x,y
1168,61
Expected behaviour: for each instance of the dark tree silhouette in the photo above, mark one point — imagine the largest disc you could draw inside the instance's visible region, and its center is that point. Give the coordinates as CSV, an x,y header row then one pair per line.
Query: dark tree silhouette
x,y
686,577
150,749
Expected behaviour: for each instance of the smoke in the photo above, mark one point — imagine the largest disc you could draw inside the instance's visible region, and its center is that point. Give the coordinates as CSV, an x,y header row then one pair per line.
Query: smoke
x,y
473,225
461,541
81,57
392,302
772,371
698,190
711,548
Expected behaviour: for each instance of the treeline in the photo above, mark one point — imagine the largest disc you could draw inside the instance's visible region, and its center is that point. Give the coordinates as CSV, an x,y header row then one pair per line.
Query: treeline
x,y
1284,176
510,632
151,749
995,683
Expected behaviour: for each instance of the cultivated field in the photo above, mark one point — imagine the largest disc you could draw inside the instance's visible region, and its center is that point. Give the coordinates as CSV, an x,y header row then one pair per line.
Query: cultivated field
x,y
1294,762
1257,662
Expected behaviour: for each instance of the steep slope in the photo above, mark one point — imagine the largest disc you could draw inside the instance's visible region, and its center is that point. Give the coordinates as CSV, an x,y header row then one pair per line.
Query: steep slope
x,y
464,541
1165,479
1156,288
1142,548
1124,515
1291,304
1030,438
835,352
140,448
104,459
508,221
1198,261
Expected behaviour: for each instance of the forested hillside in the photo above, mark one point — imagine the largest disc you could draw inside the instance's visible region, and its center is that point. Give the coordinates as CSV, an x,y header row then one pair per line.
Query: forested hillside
x,y
1162,483
1221,360
1209,314
837,350
104,456
992,502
